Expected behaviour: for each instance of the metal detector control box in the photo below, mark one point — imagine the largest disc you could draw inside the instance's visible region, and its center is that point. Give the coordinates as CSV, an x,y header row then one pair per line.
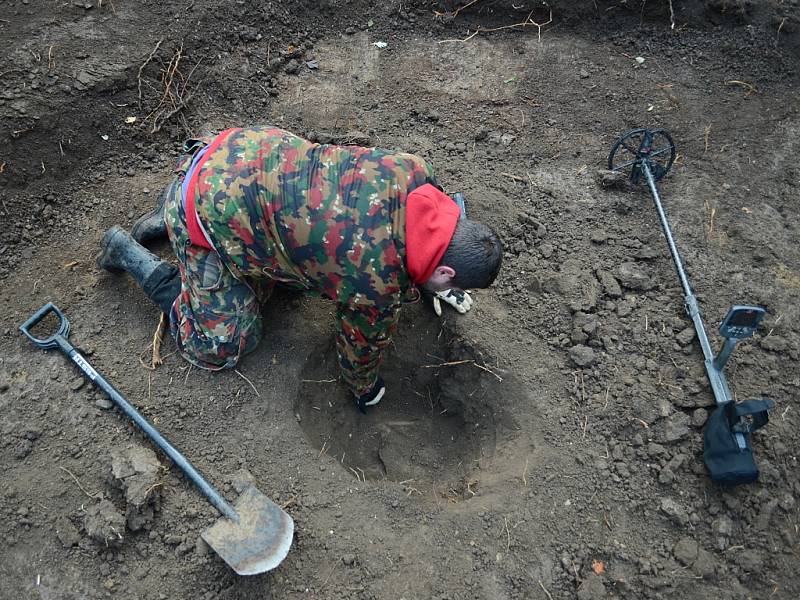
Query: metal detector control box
x,y
741,322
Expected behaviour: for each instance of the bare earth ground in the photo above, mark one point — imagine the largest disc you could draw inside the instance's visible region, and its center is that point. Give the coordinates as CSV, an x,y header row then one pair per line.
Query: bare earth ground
x,y
529,478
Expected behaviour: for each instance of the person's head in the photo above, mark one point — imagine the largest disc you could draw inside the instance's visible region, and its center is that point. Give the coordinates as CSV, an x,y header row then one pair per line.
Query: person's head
x,y
472,259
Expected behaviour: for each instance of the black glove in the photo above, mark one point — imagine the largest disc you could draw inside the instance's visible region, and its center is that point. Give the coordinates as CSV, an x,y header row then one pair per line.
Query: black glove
x,y
372,397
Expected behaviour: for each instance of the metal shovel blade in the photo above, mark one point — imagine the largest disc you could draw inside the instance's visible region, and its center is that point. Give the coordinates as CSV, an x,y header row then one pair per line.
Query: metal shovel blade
x,y
259,541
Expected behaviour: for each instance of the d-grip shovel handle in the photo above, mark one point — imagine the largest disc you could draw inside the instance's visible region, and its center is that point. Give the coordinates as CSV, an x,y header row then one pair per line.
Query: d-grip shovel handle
x,y
59,338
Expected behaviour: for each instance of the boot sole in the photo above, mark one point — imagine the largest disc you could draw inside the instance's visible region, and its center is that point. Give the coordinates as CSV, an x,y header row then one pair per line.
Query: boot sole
x,y
104,244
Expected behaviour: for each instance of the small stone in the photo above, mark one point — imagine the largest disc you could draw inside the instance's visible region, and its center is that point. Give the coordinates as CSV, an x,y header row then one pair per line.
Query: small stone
x,y
200,547
704,564
610,284
674,511
632,277
350,31
599,236
676,427
22,449
749,560
685,551
624,308
104,523
699,417
610,179
685,336
349,559
66,532
666,476
592,588
183,549
76,384
581,355
292,67
546,250
103,403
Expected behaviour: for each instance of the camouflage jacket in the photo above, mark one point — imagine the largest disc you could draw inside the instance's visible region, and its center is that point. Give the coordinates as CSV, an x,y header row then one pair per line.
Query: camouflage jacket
x,y
327,219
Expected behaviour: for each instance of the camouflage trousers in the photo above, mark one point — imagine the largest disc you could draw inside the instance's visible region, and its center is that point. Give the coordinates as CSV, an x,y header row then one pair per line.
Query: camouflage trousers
x,y
216,318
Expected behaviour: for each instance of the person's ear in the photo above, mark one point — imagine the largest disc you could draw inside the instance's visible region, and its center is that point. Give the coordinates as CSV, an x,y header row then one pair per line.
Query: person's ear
x,y
446,272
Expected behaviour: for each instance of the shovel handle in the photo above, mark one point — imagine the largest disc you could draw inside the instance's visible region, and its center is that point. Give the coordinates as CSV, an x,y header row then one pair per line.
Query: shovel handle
x,y
59,340
53,341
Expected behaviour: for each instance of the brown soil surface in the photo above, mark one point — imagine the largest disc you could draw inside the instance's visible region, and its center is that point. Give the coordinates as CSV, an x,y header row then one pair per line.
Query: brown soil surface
x,y
530,478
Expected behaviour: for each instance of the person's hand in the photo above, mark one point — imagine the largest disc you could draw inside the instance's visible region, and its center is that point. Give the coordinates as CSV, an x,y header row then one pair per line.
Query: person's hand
x,y
458,299
372,397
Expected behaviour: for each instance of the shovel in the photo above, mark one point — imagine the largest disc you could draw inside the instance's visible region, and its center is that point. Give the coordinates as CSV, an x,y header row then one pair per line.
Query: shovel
x,y
254,535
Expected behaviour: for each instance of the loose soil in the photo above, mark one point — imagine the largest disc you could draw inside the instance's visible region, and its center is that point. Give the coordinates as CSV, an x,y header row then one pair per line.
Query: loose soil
x,y
547,445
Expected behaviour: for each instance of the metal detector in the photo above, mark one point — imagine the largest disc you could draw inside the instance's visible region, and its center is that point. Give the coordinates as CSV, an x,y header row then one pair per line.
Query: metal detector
x,y
649,154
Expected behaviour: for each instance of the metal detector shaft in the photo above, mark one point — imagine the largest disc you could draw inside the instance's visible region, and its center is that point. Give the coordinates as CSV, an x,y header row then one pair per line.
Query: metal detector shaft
x,y
60,341
714,366
692,307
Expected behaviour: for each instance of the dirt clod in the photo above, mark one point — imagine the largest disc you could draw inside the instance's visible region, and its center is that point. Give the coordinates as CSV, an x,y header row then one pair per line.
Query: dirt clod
x,y
67,532
104,523
582,356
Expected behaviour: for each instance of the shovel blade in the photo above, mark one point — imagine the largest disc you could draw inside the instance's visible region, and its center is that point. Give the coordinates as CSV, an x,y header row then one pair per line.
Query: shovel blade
x,y
259,541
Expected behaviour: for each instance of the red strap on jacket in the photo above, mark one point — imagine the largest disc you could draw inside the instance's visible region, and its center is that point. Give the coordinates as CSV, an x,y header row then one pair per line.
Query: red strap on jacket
x,y
192,223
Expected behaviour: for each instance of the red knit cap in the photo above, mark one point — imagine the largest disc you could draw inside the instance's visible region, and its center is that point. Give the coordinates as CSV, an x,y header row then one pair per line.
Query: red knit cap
x,y
431,217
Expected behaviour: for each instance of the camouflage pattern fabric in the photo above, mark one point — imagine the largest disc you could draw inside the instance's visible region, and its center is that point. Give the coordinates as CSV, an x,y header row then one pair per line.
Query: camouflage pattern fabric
x,y
326,219
216,318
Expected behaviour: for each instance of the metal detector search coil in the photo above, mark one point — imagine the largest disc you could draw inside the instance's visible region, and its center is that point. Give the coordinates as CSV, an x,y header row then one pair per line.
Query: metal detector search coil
x,y
650,154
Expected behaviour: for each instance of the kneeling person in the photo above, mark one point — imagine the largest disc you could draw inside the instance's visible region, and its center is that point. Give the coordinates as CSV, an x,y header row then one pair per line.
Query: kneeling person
x,y
253,207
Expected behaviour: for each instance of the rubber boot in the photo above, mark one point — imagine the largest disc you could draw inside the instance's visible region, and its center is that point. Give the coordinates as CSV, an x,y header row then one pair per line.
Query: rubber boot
x,y
158,279
151,226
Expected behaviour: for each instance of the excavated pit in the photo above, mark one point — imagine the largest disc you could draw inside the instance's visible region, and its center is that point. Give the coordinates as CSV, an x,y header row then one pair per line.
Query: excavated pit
x,y
435,422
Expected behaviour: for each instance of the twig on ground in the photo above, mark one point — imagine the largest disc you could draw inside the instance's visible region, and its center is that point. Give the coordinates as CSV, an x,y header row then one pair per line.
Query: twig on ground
x,y
508,535
240,374
141,68
467,5
317,380
778,34
528,21
324,583
514,177
706,137
750,87
671,16
158,336
463,362
158,123
152,487
544,589
525,474
83,489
